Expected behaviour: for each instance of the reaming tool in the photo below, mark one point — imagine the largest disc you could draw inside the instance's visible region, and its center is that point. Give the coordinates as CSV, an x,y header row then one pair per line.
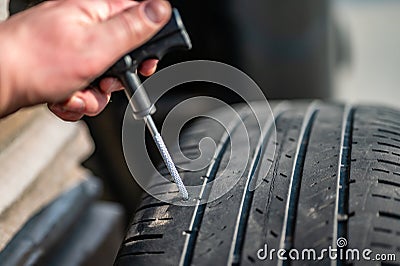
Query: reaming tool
x,y
172,37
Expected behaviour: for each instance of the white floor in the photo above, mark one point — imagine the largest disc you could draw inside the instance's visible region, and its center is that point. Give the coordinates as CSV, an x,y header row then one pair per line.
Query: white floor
x,y
374,72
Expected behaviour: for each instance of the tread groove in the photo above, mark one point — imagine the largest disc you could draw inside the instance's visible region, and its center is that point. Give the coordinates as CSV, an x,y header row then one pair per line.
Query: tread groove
x,y
142,238
144,221
388,145
142,253
389,131
248,194
289,223
382,230
344,180
380,196
381,151
380,170
387,182
190,242
389,162
152,205
389,215
389,121
379,136
151,220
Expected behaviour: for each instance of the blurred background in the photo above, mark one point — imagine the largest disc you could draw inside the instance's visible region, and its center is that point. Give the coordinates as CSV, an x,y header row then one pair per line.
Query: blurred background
x,y
373,72
336,50
347,50
339,50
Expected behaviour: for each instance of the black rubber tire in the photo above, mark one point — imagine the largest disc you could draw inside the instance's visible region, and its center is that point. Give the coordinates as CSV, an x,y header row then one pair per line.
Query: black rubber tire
x,y
335,173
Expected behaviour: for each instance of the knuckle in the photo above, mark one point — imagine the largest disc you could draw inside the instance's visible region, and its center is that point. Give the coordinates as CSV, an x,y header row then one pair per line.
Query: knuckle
x,y
91,69
134,29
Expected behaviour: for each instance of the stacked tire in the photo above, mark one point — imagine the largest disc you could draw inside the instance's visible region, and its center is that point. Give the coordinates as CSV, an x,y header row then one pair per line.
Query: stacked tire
x,y
333,181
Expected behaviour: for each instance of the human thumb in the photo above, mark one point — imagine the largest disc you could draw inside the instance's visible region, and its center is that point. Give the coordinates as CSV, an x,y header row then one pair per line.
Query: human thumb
x,y
132,27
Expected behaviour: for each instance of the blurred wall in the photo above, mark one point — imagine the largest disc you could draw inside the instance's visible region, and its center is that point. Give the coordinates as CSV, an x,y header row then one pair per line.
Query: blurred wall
x,y
286,46
373,74
3,9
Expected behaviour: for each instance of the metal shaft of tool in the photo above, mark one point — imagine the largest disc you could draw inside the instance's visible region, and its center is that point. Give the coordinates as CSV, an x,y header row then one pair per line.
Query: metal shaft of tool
x,y
142,108
166,156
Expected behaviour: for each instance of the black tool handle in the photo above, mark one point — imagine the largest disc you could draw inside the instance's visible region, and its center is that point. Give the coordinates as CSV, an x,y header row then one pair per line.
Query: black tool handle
x,y
172,36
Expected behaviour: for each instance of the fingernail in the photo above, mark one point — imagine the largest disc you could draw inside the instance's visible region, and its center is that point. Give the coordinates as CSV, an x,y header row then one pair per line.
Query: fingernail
x,y
76,104
157,10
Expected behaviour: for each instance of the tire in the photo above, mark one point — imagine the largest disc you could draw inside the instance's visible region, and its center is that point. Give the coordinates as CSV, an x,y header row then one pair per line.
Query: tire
x,y
335,174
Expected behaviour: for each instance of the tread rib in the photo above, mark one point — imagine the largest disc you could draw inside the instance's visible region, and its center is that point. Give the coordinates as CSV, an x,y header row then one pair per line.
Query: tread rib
x,y
245,204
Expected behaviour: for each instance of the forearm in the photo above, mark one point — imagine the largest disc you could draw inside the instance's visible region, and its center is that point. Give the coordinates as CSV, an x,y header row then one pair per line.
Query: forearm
x,y
11,98
6,106
4,99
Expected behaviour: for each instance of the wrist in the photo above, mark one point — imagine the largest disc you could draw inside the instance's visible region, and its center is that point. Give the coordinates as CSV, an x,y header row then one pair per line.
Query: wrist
x,y
9,94
5,86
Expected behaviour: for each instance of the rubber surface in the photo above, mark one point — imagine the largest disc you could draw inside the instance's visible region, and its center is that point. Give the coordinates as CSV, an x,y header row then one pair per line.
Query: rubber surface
x,y
335,174
36,241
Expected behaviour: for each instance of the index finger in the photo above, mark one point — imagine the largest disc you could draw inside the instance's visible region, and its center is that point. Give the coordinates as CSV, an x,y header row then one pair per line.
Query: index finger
x,y
148,67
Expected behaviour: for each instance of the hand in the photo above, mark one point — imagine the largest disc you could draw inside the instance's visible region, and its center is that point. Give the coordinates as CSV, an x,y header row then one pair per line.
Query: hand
x,y
94,99
51,52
